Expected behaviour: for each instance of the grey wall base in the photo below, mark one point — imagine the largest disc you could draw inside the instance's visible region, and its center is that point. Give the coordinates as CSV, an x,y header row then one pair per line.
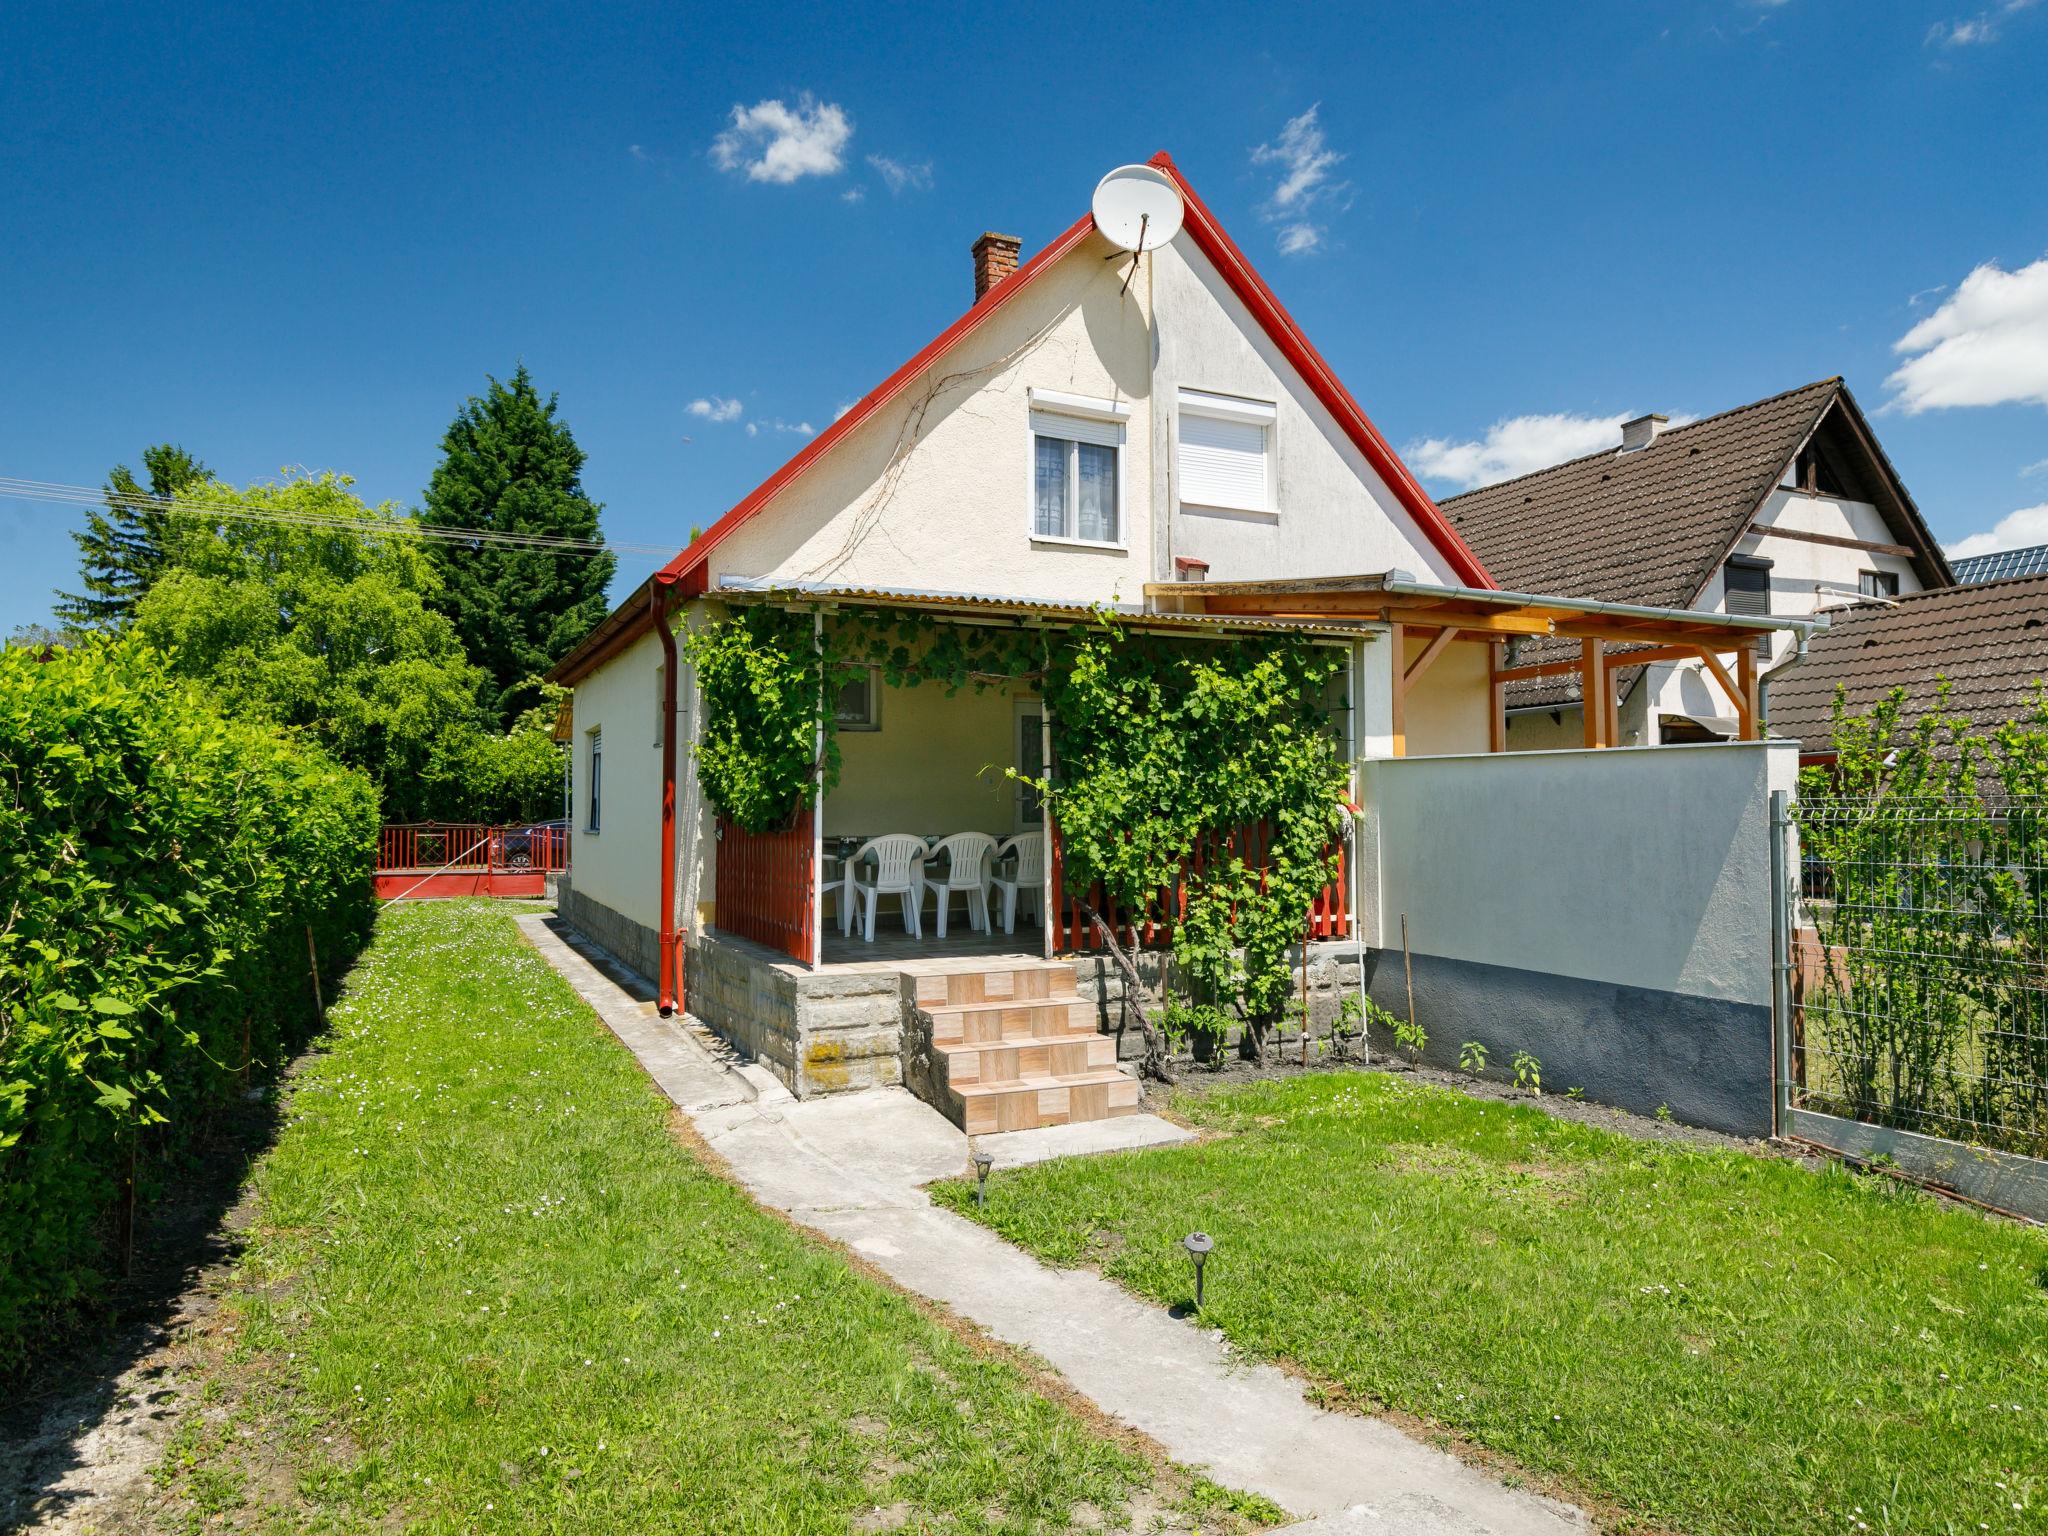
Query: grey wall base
x,y
820,1032
634,943
1633,1047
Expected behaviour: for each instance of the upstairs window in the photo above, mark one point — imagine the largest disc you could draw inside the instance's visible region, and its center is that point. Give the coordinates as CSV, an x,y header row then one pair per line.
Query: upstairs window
x,y
1077,469
1878,583
1746,585
1225,457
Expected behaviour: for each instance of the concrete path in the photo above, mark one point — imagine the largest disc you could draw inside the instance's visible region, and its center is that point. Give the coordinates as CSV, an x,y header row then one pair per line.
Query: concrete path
x,y
853,1166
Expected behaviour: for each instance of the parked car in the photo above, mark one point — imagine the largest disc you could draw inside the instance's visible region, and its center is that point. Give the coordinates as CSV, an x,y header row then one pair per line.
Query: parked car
x,y
522,845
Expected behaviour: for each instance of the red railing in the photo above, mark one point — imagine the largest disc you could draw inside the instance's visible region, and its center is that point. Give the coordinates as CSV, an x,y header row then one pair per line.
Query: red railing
x,y
471,847
764,886
1328,916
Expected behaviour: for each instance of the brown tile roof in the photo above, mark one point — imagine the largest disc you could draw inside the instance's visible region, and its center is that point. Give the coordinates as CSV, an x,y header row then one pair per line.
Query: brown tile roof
x,y
1643,527
1989,639
1651,526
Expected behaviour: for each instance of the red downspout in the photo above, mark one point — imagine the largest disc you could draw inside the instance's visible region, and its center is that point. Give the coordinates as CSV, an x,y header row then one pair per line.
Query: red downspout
x,y
669,987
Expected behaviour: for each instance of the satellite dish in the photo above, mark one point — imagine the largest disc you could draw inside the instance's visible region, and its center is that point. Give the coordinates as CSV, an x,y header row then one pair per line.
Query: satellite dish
x,y
1138,207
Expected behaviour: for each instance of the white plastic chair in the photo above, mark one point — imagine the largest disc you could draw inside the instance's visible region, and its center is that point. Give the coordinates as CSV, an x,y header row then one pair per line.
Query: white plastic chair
x,y
1026,880
966,875
898,871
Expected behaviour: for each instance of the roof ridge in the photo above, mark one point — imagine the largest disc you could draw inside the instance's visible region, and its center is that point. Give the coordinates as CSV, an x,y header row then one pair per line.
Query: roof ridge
x,y
1668,432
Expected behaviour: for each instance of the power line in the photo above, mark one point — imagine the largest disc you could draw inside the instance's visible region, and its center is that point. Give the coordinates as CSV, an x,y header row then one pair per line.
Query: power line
x,y
14,488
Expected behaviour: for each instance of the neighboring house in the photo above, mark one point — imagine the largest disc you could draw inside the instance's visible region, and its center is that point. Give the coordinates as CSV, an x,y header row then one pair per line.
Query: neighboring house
x,y
1987,639
1156,436
1787,506
2031,561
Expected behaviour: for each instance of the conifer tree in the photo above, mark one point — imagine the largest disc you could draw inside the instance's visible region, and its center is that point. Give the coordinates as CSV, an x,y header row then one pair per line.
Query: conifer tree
x,y
121,550
510,464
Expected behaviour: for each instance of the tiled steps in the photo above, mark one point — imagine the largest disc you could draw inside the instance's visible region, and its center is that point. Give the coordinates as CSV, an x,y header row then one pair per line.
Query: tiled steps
x,y
1015,1049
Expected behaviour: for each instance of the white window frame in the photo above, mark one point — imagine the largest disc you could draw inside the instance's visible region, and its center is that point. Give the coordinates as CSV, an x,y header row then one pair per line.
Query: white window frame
x,y
1259,413
1074,419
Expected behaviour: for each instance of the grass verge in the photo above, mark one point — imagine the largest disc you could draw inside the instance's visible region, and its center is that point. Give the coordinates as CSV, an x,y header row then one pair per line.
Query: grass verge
x,y
489,1289
1721,1343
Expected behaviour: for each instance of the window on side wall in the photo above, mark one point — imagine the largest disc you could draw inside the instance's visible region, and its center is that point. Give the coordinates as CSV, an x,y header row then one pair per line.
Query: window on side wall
x,y
1746,584
1077,471
1225,452
1878,583
596,778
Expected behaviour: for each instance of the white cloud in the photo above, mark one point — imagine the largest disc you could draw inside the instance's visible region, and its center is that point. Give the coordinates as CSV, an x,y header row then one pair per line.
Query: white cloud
x,y
772,141
1514,445
1973,31
1298,238
1306,163
2038,467
854,195
843,407
715,408
2016,530
1986,345
800,428
900,176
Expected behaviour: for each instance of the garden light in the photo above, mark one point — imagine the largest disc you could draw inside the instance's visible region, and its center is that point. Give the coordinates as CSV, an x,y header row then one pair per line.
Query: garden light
x,y
983,1161
1198,1245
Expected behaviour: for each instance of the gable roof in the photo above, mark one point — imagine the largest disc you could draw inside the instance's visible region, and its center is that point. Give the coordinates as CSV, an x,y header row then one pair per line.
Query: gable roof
x,y
1651,526
1989,639
689,568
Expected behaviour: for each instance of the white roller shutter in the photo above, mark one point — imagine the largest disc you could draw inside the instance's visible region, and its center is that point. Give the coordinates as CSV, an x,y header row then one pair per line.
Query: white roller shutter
x,y
1225,453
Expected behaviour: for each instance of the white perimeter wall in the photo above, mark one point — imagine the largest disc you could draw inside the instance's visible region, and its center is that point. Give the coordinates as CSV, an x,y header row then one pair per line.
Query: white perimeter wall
x,y
1643,867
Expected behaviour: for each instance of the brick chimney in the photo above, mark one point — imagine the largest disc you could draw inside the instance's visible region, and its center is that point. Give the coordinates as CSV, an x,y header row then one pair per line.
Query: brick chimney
x,y
995,258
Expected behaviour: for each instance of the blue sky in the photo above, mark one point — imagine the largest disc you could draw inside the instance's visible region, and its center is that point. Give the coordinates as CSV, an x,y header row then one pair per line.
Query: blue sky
x,y
301,236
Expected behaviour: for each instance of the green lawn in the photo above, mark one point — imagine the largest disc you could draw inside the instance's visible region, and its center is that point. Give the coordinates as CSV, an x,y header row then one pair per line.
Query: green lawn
x,y
1712,1341
491,1290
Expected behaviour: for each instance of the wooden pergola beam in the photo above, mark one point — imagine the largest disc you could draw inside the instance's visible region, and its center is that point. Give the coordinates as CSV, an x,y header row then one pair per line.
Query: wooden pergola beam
x,y
1743,694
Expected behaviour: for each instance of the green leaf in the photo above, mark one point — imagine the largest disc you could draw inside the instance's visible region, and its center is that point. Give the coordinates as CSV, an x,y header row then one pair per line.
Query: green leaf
x,y
113,1006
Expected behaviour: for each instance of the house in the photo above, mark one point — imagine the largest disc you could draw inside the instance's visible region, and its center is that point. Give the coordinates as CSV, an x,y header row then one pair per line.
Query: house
x,y
1784,506
1154,437
1987,639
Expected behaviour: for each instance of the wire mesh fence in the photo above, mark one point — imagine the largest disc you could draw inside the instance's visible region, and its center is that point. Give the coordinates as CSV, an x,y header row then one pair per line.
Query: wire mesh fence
x,y
1920,967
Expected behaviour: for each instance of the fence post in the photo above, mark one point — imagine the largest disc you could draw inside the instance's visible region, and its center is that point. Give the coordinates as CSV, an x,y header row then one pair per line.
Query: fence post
x,y
1781,969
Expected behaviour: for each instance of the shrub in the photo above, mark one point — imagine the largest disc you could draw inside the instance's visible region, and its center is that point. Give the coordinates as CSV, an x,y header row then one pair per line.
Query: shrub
x,y
162,865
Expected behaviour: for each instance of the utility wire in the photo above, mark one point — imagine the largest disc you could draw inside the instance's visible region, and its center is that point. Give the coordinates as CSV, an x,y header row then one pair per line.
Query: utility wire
x,y
13,488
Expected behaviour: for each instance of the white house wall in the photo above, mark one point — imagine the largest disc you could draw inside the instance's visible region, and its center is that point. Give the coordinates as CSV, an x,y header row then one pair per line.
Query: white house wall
x,y
935,491
1336,516
1805,579
619,865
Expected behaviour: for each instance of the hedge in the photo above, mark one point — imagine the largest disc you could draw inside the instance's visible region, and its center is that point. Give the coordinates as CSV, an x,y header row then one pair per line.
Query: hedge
x,y
161,865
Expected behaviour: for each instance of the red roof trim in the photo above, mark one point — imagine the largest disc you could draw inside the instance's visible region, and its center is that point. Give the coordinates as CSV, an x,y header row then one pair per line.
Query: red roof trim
x,y
1250,288
692,558
1214,243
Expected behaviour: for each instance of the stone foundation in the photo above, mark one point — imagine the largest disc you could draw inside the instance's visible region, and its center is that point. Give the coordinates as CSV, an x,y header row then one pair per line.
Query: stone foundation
x,y
634,943
820,1033
1332,976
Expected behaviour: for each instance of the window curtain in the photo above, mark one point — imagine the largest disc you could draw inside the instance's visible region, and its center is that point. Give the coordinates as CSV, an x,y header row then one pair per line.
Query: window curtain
x,y
1049,509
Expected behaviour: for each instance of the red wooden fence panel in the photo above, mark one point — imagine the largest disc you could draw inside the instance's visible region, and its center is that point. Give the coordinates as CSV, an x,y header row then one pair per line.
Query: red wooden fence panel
x,y
1328,916
764,886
